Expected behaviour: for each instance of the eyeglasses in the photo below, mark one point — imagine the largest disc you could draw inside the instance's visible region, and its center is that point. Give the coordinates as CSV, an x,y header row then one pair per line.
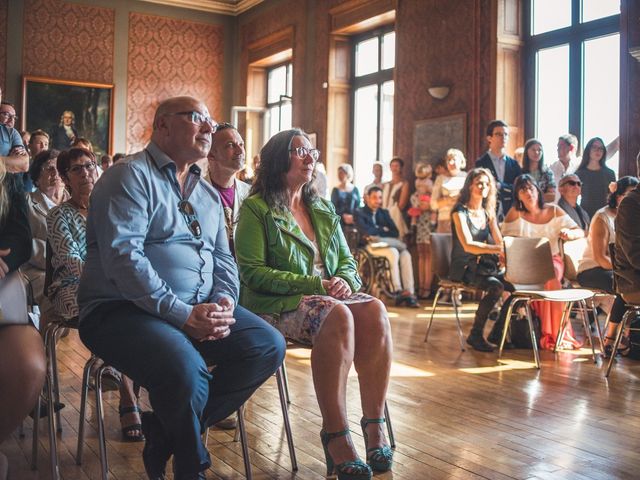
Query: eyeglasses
x,y
573,183
8,116
302,152
190,216
89,167
199,119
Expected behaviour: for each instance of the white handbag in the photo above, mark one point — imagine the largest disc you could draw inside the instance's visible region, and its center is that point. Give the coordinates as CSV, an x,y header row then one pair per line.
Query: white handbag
x,y
13,300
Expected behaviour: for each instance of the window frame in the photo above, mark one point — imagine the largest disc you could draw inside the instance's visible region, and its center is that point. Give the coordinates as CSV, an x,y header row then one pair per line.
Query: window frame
x,y
283,99
574,35
376,78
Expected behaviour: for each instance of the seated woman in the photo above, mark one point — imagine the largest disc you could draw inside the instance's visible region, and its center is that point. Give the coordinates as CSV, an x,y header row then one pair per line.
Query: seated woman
x,y
66,227
531,217
533,164
595,269
297,272
22,359
474,224
346,196
49,193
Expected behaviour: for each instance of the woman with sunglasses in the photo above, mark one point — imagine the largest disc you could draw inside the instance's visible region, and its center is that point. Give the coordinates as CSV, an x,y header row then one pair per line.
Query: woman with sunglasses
x,y
595,176
66,234
297,272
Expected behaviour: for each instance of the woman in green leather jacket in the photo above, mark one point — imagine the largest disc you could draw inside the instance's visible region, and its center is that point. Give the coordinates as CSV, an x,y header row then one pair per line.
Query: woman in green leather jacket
x,y
296,271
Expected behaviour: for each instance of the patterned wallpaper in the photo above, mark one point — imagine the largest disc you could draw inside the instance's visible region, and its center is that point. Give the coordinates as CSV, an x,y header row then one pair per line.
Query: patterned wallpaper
x,y
169,57
3,43
85,54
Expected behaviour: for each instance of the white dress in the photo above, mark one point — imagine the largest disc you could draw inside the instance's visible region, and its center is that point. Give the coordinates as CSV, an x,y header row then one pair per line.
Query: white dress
x,y
588,260
550,230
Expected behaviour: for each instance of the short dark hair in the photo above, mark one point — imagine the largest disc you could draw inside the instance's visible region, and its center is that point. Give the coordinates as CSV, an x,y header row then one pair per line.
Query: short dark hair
x,y
494,124
569,139
397,159
519,184
38,163
8,103
67,156
372,189
118,156
621,187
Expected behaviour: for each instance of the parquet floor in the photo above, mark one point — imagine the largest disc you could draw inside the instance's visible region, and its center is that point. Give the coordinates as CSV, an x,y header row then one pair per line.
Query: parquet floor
x,y
456,415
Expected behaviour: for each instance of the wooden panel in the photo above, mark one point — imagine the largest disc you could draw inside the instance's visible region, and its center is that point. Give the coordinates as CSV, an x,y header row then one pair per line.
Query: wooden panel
x,y
271,45
358,15
629,87
4,18
511,18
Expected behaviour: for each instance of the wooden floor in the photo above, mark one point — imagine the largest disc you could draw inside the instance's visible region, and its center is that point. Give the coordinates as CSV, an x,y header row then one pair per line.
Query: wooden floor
x,y
456,415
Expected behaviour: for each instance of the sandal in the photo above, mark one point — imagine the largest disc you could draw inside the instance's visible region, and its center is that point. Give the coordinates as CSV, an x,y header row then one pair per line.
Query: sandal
x,y
349,470
623,348
132,432
380,458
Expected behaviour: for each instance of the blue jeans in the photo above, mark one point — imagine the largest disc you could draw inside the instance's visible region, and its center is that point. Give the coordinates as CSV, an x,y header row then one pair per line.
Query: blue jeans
x,y
163,359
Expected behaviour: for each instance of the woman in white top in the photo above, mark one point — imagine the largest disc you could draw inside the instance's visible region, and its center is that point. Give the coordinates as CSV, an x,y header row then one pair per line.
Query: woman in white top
x,y
446,189
595,269
531,217
395,196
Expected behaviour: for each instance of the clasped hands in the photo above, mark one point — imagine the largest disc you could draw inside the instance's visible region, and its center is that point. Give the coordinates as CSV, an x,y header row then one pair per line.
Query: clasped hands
x,y
210,321
337,288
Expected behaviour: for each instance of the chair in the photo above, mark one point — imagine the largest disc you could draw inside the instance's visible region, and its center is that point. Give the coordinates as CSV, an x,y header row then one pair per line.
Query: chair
x,y
633,309
529,266
440,263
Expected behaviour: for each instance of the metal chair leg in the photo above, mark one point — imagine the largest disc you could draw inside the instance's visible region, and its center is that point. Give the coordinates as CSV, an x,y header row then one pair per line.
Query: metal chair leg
x,y
282,393
206,437
243,443
236,433
83,406
621,328
597,323
392,440
587,329
102,444
53,446
563,325
36,433
507,324
532,332
454,296
285,380
53,340
433,311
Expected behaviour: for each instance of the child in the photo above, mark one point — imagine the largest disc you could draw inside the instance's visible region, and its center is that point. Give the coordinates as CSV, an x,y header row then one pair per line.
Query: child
x,y
421,222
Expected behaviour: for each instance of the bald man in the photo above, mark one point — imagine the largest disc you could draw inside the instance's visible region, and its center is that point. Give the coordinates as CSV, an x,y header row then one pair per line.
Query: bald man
x,y
159,290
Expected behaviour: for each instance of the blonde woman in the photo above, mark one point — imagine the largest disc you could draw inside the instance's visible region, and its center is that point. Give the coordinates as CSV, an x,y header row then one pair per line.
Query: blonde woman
x,y
446,188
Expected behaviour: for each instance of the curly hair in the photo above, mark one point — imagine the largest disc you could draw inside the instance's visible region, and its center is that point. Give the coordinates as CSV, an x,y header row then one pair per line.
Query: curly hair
x,y
271,174
488,203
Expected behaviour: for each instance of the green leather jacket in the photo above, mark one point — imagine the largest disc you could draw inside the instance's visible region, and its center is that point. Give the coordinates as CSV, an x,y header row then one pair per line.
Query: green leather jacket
x,y
275,259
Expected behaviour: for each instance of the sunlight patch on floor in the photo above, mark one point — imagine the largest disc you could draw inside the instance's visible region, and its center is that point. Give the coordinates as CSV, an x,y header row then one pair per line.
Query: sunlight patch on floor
x,y
505,366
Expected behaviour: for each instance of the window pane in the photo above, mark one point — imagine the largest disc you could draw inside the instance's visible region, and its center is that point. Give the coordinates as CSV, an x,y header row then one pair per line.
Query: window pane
x,y
552,96
602,91
290,80
386,122
365,133
273,122
550,15
594,9
389,50
367,57
276,84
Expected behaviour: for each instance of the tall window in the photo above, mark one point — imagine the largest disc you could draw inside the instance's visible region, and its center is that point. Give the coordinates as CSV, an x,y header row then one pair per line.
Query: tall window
x,y
279,96
574,71
374,58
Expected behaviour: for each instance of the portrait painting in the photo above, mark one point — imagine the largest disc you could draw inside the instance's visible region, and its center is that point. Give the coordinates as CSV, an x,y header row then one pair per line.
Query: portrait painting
x,y
68,110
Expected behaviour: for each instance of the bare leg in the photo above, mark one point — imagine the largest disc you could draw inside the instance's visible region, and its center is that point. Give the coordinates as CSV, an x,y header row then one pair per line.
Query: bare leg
x,y
128,398
372,360
331,359
22,371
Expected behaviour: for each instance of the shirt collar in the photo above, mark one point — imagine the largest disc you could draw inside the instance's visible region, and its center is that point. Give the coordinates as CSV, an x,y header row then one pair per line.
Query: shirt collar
x,y
160,158
495,158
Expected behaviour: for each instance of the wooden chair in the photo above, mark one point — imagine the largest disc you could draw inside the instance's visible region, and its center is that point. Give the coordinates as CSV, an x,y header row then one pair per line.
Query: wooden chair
x,y
633,309
529,266
440,264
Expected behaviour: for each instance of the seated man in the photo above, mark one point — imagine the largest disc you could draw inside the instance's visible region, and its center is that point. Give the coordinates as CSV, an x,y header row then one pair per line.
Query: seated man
x,y
627,228
570,187
377,228
159,289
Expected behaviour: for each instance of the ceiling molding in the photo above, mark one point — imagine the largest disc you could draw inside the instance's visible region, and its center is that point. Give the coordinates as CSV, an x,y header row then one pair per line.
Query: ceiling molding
x,y
224,7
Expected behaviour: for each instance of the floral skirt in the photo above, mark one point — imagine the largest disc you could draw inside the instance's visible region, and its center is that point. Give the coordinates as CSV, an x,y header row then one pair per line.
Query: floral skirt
x,y
303,324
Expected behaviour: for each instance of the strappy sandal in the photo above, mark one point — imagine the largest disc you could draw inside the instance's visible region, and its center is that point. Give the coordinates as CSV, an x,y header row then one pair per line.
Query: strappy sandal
x,y
623,348
380,458
349,470
133,432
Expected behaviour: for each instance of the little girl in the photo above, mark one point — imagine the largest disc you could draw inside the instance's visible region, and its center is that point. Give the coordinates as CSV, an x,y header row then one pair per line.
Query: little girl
x,y
421,222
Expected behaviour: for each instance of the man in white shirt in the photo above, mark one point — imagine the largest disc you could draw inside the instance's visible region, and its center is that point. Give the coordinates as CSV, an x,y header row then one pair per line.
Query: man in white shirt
x,y
568,160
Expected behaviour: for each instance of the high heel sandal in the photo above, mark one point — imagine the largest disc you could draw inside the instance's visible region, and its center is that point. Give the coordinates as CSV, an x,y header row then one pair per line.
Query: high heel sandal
x,y
623,348
132,432
349,470
380,458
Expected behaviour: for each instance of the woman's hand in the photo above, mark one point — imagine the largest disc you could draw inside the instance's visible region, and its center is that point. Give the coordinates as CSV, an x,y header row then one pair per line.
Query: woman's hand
x,y
337,288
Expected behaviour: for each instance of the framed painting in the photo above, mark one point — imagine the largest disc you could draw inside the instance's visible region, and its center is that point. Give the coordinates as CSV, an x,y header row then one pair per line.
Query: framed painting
x,y
67,110
434,136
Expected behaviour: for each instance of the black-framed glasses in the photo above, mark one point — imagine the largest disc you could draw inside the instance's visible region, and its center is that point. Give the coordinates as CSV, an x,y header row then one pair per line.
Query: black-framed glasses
x,y
198,118
9,116
190,216
302,152
89,167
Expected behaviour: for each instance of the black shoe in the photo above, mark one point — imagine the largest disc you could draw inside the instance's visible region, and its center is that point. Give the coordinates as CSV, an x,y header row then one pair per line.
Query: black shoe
x,y
412,302
479,343
44,408
156,451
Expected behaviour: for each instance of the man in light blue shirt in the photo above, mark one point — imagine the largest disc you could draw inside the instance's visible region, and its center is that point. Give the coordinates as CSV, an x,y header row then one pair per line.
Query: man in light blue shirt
x,y
159,289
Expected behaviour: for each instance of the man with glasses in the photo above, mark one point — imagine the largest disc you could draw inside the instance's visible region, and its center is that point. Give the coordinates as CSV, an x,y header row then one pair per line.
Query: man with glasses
x,y
570,188
159,291
12,152
504,168
8,114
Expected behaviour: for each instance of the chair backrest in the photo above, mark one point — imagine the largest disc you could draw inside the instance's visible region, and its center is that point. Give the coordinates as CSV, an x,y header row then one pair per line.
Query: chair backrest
x,y
529,262
572,253
441,254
